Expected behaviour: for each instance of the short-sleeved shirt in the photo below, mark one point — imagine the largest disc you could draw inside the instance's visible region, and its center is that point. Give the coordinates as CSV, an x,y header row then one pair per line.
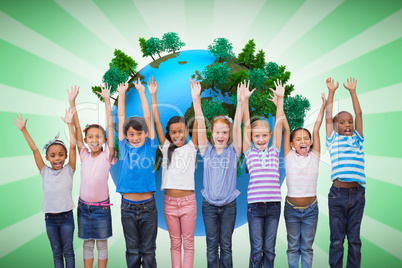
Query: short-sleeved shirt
x,y
180,173
347,157
57,187
301,174
263,167
95,175
220,175
136,173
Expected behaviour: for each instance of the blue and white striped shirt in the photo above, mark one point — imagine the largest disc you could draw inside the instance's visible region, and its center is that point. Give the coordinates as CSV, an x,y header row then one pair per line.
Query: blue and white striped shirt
x,y
347,157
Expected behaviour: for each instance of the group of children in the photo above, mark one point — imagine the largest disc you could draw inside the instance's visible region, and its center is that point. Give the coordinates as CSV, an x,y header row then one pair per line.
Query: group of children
x,y
220,153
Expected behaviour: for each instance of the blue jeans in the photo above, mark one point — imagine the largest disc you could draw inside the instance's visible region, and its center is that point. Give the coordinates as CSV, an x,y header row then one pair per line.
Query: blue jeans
x,y
140,226
346,206
301,225
263,220
60,231
219,224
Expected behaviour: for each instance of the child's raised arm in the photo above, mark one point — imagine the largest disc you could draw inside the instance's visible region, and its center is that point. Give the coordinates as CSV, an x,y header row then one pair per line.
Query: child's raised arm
x,y
121,108
145,106
356,105
331,92
21,125
199,116
286,130
316,135
72,95
237,144
153,88
280,114
105,94
246,116
73,137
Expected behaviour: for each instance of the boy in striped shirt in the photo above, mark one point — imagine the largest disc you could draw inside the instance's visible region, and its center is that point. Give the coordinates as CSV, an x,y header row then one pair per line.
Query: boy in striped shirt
x,y
346,197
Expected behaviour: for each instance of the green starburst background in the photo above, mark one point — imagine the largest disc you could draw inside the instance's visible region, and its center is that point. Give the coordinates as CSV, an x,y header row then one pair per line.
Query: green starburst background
x,y
47,46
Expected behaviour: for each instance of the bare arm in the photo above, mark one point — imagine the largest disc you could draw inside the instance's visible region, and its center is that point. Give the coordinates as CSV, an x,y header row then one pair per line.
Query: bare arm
x,y
316,129
329,107
194,137
145,106
246,116
356,105
155,113
199,116
72,95
237,142
121,108
73,142
280,114
21,125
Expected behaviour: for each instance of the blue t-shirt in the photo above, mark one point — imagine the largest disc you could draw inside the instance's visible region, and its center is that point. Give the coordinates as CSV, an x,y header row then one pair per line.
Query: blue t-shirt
x,y
220,175
136,173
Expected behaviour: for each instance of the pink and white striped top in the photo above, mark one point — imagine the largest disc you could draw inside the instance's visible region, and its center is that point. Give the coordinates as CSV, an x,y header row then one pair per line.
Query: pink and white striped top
x,y
301,174
263,167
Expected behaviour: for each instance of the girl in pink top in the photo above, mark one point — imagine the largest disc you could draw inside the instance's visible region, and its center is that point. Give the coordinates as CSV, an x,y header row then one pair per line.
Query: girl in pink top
x,y
94,216
301,208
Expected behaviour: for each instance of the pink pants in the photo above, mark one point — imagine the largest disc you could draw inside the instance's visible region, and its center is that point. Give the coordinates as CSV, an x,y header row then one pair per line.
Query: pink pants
x,y
180,216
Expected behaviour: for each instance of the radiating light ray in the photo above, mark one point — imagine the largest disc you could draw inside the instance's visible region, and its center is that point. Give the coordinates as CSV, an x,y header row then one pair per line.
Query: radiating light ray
x,y
352,49
378,233
309,14
12,173
25,102
164,11
21,36
387,171
229,24
97,23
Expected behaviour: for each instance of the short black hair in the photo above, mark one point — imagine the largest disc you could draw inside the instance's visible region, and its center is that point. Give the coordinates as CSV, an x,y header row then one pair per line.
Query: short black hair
x,y
137,123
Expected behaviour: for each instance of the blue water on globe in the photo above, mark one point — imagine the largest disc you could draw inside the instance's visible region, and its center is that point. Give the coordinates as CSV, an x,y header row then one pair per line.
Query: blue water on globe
x,y
174,98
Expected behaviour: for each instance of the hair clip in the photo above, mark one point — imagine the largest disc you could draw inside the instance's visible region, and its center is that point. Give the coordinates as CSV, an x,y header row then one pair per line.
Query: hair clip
x,y
86,128
224,117
51,142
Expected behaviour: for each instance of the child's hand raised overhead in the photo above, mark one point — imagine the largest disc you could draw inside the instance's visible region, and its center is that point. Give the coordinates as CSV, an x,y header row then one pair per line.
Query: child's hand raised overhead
x,y
68,119
195,88
72,95
247,92
105,91
139,86
324,100
152,86
122,88
19,123
351,84
330,84
274,100
279,89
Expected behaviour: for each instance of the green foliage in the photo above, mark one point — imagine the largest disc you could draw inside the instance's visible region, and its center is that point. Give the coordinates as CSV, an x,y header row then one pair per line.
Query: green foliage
x,y
221,49
171,42
237,77
113,77
257,78
296,109
247,56
217,75
123,62
272,69
116,147
143,47
97,89
153,46
259,60
212,108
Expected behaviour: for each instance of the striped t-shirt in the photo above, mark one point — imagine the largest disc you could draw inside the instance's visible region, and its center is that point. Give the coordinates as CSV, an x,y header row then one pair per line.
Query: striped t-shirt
x,y
263,167
347,157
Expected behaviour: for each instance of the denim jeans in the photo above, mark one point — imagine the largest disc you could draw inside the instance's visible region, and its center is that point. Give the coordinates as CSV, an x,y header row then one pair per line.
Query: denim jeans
x,y
346,206
94,222
301,225
60,231
219,222
140,226
263,220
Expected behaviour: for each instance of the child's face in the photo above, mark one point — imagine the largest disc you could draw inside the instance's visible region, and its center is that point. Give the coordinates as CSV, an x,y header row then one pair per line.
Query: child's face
x,y
301,142
221,134
136,137
344,124
95,139
261,137
56,155
178,133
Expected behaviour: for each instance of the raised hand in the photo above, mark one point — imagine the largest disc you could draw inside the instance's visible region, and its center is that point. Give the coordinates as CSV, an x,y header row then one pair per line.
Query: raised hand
x,y
330,84
72,95
139,86
152,86
247,92
279,89
105,91
122,88
195,88
274,100
68,119
241,91
351,84
19,123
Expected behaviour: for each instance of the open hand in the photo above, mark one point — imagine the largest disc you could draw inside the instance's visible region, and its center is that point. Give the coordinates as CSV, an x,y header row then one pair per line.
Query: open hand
x,y
274,100
279,89
72,95
330,84
195,88
19,123
152,86
122,88
139,86
105,91
351,84
68,119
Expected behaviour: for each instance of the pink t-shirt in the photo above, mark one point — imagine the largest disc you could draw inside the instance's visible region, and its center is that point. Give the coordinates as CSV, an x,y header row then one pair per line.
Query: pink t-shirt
x,y
94,175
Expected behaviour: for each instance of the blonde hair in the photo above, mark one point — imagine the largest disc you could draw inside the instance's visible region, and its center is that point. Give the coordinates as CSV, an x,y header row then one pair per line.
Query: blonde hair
x,y
260,123
224,120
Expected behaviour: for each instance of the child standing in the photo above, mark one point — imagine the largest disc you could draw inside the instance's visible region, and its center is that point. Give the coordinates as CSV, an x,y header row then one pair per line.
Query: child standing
x,y
139,216
220,154
180,206
346,198
301,206
94,215
57,182
264,192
